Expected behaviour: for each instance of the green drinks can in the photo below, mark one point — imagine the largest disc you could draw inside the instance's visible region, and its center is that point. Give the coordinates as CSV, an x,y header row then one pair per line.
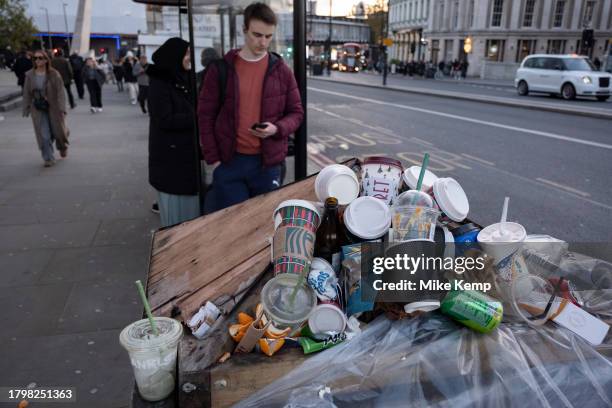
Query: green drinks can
x,y
473,309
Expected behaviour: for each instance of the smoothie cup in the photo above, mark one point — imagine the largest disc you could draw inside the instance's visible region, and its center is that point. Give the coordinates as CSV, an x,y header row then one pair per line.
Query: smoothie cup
x,y
153,357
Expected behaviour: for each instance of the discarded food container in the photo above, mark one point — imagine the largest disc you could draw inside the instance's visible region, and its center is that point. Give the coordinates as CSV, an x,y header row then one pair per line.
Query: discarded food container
x,y
451,198
286,306
297,213
153,357
337,180
322,278
381,178
367,219
327,318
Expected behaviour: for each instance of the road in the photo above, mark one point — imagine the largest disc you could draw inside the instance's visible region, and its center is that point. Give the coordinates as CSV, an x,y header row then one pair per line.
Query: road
x,y
555,167
503,89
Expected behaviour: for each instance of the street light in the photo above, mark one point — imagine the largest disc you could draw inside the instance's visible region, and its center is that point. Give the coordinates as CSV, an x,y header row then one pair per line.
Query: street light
x,y
48,29
330,39
66,23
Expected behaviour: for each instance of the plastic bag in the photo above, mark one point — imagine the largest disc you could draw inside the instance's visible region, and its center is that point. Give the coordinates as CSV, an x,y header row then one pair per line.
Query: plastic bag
x,y
431,361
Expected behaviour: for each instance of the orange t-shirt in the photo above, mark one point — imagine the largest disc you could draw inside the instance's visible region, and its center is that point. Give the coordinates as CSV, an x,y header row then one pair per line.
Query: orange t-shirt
x,y
250,79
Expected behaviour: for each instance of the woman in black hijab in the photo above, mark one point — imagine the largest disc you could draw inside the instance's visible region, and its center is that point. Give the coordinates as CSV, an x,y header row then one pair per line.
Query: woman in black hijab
x,y
172,157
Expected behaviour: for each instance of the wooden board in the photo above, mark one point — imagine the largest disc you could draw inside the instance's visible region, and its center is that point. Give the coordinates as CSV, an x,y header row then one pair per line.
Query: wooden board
x,y
216,257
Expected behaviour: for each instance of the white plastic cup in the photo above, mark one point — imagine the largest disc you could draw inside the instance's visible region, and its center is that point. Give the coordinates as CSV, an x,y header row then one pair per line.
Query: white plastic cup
x,y
339,181
451,198
153,357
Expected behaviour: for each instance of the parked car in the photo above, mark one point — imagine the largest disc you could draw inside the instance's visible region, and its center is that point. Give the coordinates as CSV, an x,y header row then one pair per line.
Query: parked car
x,y
565,75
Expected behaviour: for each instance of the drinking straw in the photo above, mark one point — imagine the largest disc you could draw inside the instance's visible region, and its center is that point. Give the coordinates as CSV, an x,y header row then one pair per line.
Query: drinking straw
x,y
504,216
422,173
145,302
299,283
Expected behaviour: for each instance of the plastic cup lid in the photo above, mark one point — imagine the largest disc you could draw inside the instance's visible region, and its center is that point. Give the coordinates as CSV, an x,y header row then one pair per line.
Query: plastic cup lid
x,y
139,335
451,198
327,318
411,177
296,203
513,232
275,297
320,264
367,217
345,187
424,306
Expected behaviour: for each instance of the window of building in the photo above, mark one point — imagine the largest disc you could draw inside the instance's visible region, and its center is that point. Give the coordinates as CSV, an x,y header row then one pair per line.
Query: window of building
x,y
494,50
448,50
456,14
528,14
471,14
524,48
497,12
555,47
559,12
587,19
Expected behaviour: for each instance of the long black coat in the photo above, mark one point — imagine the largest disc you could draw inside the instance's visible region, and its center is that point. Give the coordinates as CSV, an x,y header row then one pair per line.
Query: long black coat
x,y
172,160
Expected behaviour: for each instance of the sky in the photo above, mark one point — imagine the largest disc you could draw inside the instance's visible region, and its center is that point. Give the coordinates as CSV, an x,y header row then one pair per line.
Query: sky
x,y
339,7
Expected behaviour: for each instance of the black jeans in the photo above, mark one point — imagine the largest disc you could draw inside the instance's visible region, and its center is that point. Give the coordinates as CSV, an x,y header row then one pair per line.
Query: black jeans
x,y
120,84
78,82
143,94
69,92
95,93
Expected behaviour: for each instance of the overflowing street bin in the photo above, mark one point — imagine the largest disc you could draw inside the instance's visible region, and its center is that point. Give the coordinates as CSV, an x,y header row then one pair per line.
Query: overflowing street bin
x,y
368,284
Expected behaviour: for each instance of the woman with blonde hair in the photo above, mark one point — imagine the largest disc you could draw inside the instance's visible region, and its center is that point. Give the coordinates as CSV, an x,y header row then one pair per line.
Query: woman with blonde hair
x,y
45,99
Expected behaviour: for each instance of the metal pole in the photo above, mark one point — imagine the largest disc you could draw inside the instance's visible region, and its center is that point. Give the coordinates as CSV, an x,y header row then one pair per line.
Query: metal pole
x,y
180,21
67,32
299,68
222,27
194,100
330,39
48,29
384,21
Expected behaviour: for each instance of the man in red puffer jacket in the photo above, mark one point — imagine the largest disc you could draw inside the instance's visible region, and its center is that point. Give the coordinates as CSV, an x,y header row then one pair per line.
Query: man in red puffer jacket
x,y
245,140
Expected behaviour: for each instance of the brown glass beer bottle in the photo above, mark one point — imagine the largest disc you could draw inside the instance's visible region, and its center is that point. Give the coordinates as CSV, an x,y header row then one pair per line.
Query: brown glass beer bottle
x,y
327,243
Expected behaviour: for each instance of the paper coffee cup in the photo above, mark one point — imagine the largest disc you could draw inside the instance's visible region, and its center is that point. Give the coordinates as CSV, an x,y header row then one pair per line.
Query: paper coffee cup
x,y
367,218
339,181
297,213
381,178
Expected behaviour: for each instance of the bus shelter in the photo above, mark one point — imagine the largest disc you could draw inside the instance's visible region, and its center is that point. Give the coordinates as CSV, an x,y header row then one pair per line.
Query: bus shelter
x,y
218,24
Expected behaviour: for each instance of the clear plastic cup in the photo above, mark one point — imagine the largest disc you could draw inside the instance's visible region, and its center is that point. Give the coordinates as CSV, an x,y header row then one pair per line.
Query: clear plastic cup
x,y
153,357
276,299
414,222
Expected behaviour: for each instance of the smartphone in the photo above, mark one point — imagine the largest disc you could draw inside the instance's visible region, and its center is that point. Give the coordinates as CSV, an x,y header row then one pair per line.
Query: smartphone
x,y
259,126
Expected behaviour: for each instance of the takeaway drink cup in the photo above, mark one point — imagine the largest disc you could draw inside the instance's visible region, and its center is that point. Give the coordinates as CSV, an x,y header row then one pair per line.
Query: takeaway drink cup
x,y
153,357
295,223
381,178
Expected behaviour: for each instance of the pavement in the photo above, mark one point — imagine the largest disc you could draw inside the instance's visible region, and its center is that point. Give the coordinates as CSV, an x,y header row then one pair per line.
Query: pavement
x,y
492,92
73,239
10,92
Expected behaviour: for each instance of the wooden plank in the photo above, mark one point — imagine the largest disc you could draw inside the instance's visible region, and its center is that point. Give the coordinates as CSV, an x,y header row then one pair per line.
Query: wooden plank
x,y
191,256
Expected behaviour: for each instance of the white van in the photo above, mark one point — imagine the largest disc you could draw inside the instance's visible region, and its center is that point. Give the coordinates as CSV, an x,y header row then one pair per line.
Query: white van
x,y
565,75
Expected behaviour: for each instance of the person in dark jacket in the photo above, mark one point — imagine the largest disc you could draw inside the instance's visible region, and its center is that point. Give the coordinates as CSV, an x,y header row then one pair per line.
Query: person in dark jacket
x,y
77,63
172,154
208,55
245,141
63,66
129,77
118,71
22,64
94,79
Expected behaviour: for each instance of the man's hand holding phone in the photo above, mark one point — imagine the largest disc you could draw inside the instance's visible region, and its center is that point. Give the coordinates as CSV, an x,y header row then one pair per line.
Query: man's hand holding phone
x,y
263,130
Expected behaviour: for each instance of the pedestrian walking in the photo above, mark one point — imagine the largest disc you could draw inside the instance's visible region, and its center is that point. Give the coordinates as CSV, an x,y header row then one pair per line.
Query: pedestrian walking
x,y
62,65
245,139
142,79
22,64
172,154
94,79
44,99
77,63
118,71
129,78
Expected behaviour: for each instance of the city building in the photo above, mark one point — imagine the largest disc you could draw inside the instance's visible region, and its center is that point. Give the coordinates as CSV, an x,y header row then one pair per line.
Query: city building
x,y
115,24
499,33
